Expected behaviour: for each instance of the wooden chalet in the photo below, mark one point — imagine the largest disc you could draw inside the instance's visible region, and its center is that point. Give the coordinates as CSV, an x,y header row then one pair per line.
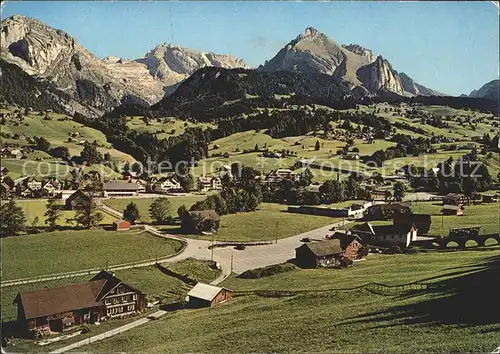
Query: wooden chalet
x,y
422,221
77,200
457,210
326,253
58,309
455,199
206,295
351,245
386,235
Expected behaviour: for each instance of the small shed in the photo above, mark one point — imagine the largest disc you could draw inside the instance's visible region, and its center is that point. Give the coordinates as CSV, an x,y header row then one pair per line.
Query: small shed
x,y
457,210
121,225
489,198
206,295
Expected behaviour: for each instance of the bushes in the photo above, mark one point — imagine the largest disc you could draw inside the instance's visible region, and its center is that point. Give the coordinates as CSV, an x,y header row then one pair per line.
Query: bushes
x,y
268,271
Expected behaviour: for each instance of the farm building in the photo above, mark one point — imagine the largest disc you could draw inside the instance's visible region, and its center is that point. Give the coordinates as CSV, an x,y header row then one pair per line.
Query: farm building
x,y
165,185
209,183
422,221
200,221
121,225
351,244
386,211
120,189
77,200
206,295
489,198
59,309
386,235
455,199
324,253
457,210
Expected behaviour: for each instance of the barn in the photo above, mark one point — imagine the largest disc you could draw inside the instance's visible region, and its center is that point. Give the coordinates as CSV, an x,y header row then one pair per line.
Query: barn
x,y
60,309
324,253
121,225
457,210
206,295
77,200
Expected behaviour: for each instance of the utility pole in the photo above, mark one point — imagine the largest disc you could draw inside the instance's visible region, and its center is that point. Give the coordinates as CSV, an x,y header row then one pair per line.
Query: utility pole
x,y
276,233
212,249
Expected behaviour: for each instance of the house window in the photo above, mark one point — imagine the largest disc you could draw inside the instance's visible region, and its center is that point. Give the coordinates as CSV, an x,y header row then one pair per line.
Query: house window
x,y
134,297
130,308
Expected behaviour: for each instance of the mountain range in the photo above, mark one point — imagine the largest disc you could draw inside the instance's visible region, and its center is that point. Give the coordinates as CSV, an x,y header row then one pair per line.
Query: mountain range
x,y
490,90
86,82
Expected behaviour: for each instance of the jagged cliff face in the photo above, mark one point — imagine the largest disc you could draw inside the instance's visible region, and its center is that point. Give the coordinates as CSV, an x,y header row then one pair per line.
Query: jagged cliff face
x,y
359,50
172,64
310,52
55,56
358,67
413,88
379,75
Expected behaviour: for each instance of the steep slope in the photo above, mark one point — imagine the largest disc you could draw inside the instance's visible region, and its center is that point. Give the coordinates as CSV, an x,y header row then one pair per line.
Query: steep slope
x,y
211,88
57,57
364,72
19,88
379,76
172,64
414,88
490,90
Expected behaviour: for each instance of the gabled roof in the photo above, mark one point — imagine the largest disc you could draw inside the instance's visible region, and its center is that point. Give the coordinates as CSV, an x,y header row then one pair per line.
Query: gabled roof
x,y
204,291
205,214
71,297
454,196
324,248
381,230
111,283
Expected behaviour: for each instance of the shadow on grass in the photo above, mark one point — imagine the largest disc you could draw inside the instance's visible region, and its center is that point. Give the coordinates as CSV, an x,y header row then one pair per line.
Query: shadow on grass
x,y
466,296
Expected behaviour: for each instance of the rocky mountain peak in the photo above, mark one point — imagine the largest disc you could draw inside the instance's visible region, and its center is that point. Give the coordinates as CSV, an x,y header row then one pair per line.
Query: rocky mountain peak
x,y
56,57
364,52
309,33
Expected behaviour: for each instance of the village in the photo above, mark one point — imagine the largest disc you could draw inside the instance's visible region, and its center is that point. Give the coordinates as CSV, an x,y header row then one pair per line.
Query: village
x,y
385,224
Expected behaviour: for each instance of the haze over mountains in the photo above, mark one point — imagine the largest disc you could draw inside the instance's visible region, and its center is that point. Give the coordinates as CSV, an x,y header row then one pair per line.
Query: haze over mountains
x,y
57,57
490,90
54,57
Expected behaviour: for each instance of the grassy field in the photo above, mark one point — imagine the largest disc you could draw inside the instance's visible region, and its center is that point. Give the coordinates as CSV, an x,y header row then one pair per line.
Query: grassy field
x,y
37,208
144,203
400,321
57,130
164,127
150,280
484,215
64,251
264,224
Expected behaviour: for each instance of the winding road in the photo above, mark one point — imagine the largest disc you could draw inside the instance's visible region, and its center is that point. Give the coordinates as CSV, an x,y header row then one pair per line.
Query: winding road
x,y
229,259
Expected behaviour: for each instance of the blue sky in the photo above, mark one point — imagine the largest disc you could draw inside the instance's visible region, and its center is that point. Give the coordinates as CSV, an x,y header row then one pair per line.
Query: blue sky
x,y
452,47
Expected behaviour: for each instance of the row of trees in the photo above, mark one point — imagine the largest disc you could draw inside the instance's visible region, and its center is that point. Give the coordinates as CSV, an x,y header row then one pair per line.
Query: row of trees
x,y
14,219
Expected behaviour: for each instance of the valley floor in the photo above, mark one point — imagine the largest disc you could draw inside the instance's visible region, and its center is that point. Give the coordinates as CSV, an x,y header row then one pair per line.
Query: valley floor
x,y
458,311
